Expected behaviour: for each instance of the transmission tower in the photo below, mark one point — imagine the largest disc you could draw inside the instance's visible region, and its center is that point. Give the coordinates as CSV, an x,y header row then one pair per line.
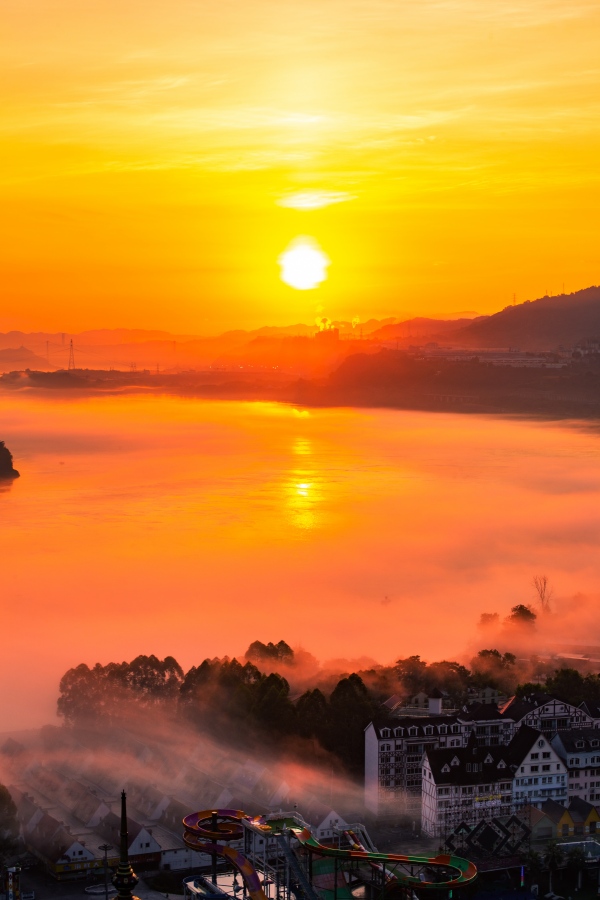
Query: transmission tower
x,y
71,365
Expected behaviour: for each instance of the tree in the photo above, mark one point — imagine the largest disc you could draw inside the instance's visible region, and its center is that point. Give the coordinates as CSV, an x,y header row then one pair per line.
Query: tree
x,y
522,616
351,710
576,863
543,591
534,863
553,859
489,620
312,712
566,684
280,652
411,672
9,826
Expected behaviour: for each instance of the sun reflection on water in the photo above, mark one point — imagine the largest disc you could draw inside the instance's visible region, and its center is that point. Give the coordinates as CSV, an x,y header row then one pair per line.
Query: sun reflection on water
x,y
304,493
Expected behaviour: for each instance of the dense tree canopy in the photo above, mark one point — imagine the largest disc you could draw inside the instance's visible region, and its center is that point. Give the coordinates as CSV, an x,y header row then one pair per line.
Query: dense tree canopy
x,y
238,699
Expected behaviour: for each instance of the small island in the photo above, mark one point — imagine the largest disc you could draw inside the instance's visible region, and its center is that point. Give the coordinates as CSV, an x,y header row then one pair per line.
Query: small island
x,y
6,463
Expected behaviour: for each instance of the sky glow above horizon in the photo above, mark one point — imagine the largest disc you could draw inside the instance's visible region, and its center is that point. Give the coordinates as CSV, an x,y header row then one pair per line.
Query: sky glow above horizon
x,y
154,163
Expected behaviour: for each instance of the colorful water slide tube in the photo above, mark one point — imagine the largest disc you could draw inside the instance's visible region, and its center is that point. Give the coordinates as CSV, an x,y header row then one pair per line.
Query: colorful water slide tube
x,y
356,845
202,829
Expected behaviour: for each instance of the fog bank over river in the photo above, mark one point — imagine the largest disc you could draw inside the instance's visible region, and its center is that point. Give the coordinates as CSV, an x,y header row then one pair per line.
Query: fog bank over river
x,y
191,527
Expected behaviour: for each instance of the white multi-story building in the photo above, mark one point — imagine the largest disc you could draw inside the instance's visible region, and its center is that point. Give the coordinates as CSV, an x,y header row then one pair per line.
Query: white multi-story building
x,y
464,785
474,783
540,774
394,745
580,752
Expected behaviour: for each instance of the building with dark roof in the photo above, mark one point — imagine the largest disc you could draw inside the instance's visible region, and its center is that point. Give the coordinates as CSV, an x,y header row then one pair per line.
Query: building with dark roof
x,y
580,751
395,743
469,784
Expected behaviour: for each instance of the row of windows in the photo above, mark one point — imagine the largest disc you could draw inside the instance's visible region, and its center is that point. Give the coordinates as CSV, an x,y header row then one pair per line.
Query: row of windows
x,y
413,731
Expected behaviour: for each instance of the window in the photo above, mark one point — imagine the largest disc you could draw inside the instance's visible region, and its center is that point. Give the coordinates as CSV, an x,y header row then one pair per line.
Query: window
x,y
535,755
545,768
541,743
443,729
385,748
535,768
546,755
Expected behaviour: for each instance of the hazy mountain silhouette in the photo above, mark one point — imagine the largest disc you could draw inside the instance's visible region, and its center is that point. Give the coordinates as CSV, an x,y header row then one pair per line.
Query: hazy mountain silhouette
x,y
20,358
542,324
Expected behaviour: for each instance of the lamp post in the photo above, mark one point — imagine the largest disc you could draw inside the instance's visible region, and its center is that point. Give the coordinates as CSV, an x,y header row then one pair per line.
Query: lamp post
x,y
105,848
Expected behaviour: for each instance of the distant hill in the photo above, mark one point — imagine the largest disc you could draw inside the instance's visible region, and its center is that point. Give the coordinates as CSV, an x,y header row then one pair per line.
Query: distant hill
x,y
542,324
419,327
16,358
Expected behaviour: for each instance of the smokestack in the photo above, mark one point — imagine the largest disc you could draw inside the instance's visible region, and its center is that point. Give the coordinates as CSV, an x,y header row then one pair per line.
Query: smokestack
x,y
125,879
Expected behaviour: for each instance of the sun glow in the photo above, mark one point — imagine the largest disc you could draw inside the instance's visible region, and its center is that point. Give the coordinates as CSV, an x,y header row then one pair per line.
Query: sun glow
x,y
303,264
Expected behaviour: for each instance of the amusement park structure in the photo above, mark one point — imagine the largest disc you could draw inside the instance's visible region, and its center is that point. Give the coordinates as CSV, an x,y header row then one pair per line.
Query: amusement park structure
x,y
278,858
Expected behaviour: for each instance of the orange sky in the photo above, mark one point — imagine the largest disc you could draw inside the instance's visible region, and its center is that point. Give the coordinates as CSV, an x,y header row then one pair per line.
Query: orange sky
x,y
147,149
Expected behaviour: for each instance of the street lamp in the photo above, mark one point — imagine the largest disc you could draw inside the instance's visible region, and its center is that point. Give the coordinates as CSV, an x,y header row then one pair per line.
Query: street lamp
x,y
105,848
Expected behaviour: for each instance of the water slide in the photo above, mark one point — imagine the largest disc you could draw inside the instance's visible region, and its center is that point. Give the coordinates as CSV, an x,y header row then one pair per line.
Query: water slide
x,y
204,829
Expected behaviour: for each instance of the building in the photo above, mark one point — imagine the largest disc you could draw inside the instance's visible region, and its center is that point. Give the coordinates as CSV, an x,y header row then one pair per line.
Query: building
x,y
463,786
395,742
540,774
579,749
394,750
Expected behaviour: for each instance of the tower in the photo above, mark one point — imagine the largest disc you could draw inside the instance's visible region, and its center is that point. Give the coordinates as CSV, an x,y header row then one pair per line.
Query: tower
x,y
125,879
71,365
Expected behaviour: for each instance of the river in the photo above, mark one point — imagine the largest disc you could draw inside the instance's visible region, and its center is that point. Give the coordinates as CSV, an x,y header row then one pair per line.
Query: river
x,y
152,524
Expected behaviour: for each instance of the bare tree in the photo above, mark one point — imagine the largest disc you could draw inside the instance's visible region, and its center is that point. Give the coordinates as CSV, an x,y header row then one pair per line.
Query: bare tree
x,y
543,590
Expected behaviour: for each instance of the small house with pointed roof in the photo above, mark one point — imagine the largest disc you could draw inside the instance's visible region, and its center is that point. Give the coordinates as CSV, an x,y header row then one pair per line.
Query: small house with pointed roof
x,y
585,817
560,817
144,851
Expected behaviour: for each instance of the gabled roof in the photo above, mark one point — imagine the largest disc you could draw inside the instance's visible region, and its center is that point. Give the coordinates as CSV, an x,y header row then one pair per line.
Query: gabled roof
x,y
580,810
523,741
454,765
110,828
536,815
554,810
573,736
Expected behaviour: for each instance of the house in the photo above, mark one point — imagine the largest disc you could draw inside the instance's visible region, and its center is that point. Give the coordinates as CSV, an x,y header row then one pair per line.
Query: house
x,y
465,785
324,821
395,743
84,804
585,817
144,850
560,817
394,750
580,751
543,827
540,774
470,784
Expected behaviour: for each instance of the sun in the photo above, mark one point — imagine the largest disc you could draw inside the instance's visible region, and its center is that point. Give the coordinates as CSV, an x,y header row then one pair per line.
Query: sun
x,y
303,264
